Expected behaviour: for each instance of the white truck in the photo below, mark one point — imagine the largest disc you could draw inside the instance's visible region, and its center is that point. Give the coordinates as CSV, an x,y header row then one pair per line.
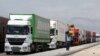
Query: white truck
x,y
57,34
27,33
98,37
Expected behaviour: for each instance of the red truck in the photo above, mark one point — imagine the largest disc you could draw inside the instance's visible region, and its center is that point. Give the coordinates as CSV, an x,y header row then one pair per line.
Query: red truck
x,y
93,36
88,36
75,34
3,27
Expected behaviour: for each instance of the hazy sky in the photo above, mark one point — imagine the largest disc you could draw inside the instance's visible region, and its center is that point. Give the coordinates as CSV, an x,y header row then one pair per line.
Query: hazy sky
x,y
83,13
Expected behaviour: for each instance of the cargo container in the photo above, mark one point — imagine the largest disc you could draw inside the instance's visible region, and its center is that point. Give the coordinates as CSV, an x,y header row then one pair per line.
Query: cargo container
x,y
57,34
88,36
27,33
82,36
3,27
93,35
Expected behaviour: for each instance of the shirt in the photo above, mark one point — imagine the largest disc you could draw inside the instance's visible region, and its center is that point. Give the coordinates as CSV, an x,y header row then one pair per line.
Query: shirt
x,y
68,38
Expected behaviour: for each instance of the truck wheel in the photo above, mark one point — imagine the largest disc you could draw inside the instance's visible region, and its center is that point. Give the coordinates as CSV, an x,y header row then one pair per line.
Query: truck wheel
x,y
57,45
44,47
32,48
8,53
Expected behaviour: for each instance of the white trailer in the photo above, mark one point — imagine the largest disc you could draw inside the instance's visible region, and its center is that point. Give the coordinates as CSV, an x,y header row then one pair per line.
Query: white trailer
x,y
57,34
82,36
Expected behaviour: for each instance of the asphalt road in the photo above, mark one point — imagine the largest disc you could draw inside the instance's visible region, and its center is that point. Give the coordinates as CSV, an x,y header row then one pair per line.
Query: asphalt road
x,y
58,52
4,54
93,51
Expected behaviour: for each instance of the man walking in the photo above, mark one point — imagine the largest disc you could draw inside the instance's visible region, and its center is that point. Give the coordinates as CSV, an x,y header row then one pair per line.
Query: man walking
x,y
68,40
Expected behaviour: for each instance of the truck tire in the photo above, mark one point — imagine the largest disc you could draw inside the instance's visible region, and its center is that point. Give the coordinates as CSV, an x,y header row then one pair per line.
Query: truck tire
x,y
8,53
32,48
57,45
44,47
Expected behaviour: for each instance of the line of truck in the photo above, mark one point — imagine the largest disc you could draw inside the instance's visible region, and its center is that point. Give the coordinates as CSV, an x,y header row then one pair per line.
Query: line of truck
x,y
81,36
30,32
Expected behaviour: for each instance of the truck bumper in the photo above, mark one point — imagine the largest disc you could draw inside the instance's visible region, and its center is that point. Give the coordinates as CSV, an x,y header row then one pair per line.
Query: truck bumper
x,y
52,45
17,48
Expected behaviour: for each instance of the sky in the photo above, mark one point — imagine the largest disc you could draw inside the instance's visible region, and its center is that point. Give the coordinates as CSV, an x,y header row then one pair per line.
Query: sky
x,y
84,14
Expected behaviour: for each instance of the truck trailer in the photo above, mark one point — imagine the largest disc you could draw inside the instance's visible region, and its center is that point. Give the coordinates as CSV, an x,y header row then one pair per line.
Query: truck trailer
x,y
3,27
88,36
93,36
82,36
27,33
57,34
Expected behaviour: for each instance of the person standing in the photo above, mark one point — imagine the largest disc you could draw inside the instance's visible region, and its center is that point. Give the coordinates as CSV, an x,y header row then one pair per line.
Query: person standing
x,y
68,40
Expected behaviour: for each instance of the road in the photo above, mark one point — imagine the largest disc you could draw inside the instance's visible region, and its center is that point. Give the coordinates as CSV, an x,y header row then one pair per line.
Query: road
x,y
4,54
93,51
56,52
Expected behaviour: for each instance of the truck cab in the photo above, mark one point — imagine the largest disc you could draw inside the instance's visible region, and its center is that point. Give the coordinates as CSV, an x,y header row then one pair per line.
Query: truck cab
x,y
53,34
57,34
18,37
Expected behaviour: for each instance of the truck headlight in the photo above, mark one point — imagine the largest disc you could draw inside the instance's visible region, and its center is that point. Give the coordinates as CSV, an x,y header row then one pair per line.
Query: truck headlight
x,y
25,47
6,47
26,41
6,40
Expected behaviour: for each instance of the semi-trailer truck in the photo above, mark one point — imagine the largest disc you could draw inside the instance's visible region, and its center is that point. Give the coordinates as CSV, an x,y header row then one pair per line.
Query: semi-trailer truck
x,y
3,27
57,34
27,33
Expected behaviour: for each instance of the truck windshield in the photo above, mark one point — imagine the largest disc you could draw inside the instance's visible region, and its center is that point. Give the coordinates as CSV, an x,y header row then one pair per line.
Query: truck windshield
x,y
52,31
97,36
22,30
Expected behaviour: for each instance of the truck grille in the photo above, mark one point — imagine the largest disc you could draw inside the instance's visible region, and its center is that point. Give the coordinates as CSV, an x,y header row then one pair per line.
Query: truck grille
x,y
15,49
16,41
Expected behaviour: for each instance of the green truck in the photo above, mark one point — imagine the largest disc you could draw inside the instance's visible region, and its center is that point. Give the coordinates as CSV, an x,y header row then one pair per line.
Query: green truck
x,y
27,33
